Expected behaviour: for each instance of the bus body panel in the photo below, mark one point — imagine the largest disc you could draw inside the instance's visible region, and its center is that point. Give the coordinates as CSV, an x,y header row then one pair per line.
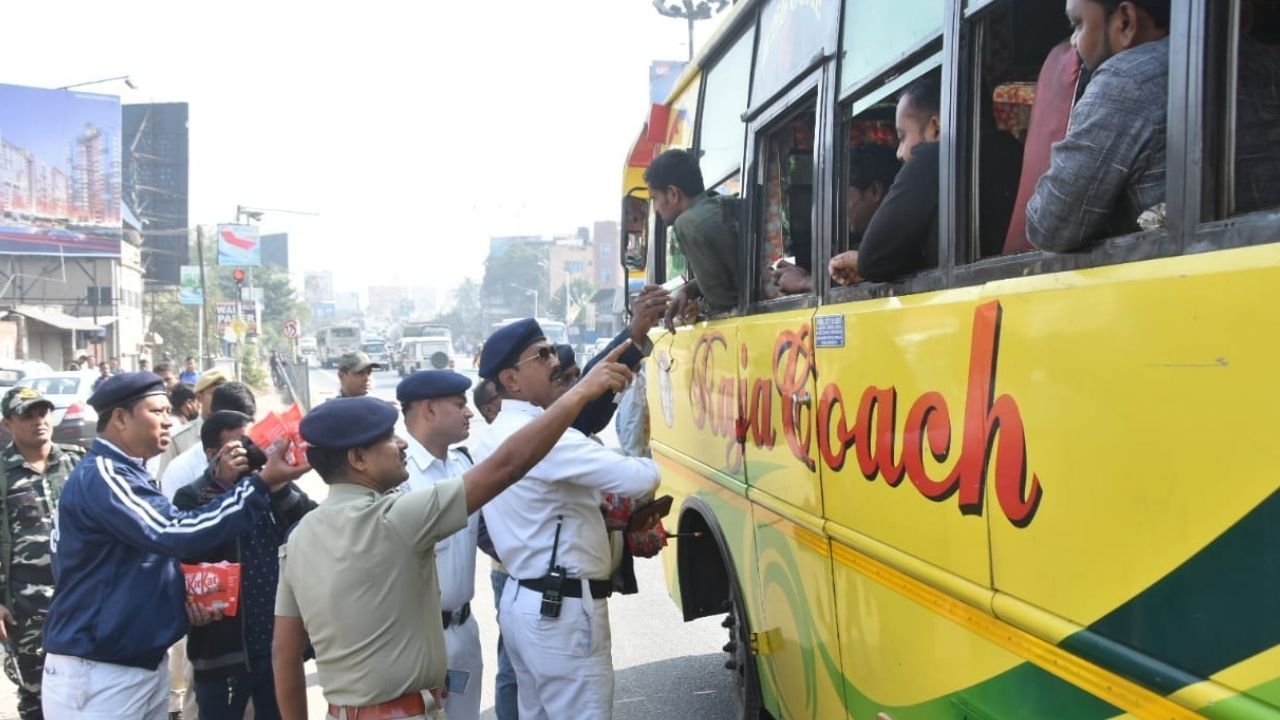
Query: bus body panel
x,y
889,371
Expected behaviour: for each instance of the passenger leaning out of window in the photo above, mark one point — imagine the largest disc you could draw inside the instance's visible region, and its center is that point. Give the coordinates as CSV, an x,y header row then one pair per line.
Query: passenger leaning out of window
x,y
1110,167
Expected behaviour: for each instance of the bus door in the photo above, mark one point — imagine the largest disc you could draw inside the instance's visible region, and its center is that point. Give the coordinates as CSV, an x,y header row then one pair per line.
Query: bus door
x,y
797,641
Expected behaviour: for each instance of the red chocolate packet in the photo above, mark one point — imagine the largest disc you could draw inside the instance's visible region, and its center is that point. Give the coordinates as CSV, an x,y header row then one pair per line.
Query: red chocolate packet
x,y
281,426
214,586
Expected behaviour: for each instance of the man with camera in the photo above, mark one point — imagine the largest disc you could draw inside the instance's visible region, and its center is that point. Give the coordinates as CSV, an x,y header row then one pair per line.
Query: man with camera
x,y
188,466
231,657
120,602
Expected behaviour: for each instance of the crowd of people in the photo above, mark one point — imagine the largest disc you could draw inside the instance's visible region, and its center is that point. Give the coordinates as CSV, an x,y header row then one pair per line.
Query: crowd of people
x,y
375,582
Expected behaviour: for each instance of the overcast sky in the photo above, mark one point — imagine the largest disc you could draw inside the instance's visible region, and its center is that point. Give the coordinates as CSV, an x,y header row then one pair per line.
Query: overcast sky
x,y
416,130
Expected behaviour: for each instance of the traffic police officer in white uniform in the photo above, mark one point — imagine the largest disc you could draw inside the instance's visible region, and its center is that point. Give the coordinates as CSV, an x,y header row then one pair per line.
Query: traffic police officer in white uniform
x,y
549,532
436,416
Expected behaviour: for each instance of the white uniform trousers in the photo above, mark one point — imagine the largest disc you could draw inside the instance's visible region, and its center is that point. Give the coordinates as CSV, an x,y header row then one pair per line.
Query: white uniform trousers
x,y
73,687
462,642
564,665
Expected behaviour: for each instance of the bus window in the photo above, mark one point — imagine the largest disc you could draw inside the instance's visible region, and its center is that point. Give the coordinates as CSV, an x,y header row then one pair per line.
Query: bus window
x,y
786,207
1024,57
724,101
1107,176
1252,176
878,34
868,168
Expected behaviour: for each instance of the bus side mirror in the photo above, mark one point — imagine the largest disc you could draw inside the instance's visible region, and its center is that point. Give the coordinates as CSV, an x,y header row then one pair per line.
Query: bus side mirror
x,y
635,234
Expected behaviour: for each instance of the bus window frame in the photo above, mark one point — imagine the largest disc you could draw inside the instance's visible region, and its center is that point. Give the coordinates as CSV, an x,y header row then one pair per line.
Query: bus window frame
x,y
887,72
748,25
814,87
1188,192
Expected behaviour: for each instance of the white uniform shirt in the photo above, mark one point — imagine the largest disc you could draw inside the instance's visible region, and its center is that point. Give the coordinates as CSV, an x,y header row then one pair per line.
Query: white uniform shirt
x,y
568,483
183,470
456,554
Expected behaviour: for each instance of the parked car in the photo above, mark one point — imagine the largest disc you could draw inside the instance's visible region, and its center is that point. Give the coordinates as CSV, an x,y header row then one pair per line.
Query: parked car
x,y
11,371
74,421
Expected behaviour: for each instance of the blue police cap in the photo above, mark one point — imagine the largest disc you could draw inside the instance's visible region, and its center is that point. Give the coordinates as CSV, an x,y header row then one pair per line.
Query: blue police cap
x,y
432,384
567,357
343,422
125,387
503,347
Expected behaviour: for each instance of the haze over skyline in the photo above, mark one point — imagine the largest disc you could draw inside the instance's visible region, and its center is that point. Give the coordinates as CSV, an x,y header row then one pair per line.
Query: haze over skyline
x,y
429,127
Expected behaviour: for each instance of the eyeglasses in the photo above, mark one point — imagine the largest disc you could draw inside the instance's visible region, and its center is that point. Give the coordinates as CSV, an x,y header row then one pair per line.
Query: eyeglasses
x,y
544,354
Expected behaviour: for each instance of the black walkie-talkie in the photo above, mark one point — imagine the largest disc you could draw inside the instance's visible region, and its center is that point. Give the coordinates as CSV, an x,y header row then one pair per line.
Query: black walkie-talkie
x,y
553,591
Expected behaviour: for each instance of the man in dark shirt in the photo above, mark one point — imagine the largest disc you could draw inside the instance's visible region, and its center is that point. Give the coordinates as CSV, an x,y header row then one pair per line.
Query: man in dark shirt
x,y
1110,168
232,656
872,169
902,236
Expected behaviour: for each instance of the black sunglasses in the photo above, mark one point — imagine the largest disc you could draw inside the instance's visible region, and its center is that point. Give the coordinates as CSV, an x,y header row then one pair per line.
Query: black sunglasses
x,y
544,354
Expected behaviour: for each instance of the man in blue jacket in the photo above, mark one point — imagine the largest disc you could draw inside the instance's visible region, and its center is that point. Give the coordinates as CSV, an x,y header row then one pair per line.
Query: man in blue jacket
x,y
121,599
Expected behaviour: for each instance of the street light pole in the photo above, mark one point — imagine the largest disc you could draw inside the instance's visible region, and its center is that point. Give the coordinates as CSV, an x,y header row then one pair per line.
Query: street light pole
x,y
535,297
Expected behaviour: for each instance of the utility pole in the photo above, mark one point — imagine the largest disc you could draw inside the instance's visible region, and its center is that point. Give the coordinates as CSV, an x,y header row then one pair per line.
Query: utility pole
x,y
204,295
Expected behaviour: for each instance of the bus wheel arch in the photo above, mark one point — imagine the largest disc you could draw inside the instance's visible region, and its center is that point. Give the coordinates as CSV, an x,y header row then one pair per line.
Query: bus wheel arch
x,y
709,585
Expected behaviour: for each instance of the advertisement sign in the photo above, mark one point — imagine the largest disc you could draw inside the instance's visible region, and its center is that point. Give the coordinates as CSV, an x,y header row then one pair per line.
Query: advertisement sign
x,y
318,287
238,246
59,172
322,311
249,315
189,285
226,313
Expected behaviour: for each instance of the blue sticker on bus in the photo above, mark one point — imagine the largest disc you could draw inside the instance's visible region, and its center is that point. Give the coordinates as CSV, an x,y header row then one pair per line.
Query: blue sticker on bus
x,y
829,331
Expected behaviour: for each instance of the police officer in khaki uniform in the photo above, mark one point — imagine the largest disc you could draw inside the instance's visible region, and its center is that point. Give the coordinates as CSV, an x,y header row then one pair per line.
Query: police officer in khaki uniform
x,y
355,374
35,470
358,575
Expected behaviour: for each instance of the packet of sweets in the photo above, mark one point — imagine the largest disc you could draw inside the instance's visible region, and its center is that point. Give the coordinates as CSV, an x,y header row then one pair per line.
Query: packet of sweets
x,y
214,586
297,450
268,430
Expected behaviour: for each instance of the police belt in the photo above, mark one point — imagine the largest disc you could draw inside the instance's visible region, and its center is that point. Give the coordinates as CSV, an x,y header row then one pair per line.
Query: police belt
x,y
457,617
572,587
32,575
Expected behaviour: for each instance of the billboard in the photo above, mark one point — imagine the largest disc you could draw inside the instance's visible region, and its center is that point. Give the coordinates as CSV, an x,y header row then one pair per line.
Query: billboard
x,y
275,250
317,287
189,291
59,172
155,185
238,246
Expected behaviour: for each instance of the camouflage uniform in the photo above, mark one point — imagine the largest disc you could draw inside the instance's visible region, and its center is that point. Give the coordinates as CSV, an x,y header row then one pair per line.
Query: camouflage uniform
x,y
26,576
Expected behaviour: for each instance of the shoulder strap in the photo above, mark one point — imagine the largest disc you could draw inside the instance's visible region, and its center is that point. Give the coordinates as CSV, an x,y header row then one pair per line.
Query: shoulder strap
x,y
6,538
466,452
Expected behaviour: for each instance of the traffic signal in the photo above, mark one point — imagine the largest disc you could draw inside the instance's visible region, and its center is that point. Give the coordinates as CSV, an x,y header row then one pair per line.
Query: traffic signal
x,y
239,276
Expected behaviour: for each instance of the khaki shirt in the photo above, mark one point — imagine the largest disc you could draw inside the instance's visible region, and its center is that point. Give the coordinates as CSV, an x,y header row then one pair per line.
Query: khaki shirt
x,y
360,572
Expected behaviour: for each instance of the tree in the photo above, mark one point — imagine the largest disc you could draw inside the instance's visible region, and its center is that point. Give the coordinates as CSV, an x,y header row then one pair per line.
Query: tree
x,y
467,308
580,291
509,277
176,324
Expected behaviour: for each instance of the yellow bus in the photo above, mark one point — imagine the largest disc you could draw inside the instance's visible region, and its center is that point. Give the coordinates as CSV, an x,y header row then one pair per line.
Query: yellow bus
x,y
1019,485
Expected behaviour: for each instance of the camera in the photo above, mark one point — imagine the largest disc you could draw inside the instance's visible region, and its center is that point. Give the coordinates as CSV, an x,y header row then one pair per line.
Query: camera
x,y
254,454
